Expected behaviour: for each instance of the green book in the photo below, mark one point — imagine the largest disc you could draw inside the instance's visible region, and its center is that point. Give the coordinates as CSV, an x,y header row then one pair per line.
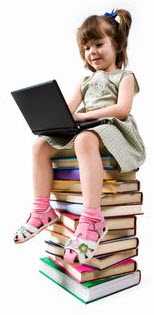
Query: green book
x,y
88,291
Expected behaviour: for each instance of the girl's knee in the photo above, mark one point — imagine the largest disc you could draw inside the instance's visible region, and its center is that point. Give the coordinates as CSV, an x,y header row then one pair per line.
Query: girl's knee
x,y
86,140
41,146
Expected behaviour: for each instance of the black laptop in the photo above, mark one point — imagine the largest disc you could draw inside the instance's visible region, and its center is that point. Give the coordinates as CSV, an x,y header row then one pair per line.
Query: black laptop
x,y
46,111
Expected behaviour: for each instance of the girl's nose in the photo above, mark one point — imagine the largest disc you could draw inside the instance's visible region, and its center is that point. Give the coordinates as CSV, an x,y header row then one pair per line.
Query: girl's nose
x,y
93,50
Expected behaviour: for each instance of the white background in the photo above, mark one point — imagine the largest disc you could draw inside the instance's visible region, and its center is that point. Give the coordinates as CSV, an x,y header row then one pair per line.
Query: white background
x,y
37,43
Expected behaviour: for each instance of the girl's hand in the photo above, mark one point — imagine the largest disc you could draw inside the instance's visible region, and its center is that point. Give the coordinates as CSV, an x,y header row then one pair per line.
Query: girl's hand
x,y
80,116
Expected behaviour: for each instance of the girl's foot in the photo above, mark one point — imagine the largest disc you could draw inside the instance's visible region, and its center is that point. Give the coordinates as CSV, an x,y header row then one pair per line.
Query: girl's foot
x,y
84,243
36,222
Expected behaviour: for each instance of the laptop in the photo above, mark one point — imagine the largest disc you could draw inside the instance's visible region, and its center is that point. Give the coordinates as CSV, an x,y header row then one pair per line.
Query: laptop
x,y
46,111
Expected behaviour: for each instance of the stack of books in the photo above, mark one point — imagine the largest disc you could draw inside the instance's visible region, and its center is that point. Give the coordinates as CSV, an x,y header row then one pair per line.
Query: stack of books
x,y
113,267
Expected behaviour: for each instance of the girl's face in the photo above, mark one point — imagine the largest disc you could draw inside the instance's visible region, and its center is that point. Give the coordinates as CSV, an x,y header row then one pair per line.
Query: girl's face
x,y
100,54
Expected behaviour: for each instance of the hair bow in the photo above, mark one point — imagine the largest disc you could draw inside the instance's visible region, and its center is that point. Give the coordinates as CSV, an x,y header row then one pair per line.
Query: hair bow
x,y
113,15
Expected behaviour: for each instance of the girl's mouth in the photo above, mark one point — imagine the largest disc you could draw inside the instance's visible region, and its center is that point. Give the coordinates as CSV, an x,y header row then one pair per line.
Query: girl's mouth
x,y
96,60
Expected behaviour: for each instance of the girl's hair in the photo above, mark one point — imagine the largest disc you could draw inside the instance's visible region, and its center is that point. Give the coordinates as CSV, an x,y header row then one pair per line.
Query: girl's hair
x,y
95,26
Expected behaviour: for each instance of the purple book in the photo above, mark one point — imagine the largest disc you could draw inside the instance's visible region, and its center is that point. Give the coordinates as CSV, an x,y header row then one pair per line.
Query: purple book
x,y
71,173
67,173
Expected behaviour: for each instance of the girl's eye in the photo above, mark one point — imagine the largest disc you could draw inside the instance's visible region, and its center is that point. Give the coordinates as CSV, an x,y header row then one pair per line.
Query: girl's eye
x,y
87,48
99,44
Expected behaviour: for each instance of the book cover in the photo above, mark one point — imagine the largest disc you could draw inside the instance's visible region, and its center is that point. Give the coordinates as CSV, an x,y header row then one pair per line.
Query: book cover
x,y
83,273
108,186
71,221
70,162
91,290
74,174
106,199
109,210
104,261
105,247
112,234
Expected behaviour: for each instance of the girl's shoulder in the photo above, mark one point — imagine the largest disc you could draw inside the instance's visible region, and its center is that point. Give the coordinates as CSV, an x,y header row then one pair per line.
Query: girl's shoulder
x,y
117,76
84,82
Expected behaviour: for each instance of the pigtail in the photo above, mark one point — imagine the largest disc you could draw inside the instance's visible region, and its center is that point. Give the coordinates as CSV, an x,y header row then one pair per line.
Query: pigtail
x,y
124,21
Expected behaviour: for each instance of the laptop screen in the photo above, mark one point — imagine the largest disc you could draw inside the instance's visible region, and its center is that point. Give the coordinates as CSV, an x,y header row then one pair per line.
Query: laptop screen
x,y
44,107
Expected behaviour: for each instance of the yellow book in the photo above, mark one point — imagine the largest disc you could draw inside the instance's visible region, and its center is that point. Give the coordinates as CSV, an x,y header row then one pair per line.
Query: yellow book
x,y
108,186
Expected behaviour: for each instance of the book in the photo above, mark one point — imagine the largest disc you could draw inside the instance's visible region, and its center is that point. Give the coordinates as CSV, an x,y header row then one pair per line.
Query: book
x,y
84,273
74,174
88,291
108,186
108,211
104,261
104,247
61,238
71,162
112,234
63,153
71,221
106,199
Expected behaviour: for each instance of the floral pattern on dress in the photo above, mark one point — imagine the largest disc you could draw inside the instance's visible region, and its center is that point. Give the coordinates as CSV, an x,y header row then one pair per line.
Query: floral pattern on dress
x,y
97,88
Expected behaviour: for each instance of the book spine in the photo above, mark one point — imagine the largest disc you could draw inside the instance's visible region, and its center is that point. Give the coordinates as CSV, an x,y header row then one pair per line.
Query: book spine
x,y
109,163
137,242
68,174
106,201
141,197
74,174
135,225
94,261
139,186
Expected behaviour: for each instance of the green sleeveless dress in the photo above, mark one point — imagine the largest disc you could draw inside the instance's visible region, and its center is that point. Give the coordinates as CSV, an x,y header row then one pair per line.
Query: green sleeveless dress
x,y
121,138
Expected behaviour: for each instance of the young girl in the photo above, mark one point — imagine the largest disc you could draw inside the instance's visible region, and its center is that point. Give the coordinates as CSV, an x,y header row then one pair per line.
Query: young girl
x,y
107,93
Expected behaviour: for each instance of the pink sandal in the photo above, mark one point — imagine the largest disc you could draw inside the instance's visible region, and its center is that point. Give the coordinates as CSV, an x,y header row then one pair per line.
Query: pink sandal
x,y
27,231
86,239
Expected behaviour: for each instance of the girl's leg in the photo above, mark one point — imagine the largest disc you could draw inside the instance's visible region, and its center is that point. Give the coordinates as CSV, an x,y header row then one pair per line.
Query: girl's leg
x,y
41,214
91,227
91,168
42,168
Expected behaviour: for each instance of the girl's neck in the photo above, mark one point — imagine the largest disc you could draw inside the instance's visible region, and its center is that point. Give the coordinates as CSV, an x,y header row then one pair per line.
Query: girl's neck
x,y
110,69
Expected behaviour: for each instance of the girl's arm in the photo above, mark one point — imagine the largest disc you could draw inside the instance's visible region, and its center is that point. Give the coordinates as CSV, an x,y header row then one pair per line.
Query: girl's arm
x,y
76,99
119,110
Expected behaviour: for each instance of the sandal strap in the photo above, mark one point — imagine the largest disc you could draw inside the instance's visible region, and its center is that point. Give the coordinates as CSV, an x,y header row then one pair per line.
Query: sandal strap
x,y
79,245
44,217
20,234
70,256
30,228
76,243
88,226
27,230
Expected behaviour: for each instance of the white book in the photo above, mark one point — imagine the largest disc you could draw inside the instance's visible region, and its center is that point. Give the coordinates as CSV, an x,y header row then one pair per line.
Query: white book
x,y
108,211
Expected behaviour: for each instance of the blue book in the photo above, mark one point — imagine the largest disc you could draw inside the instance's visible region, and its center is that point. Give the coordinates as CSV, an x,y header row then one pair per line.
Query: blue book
x,y
109,163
